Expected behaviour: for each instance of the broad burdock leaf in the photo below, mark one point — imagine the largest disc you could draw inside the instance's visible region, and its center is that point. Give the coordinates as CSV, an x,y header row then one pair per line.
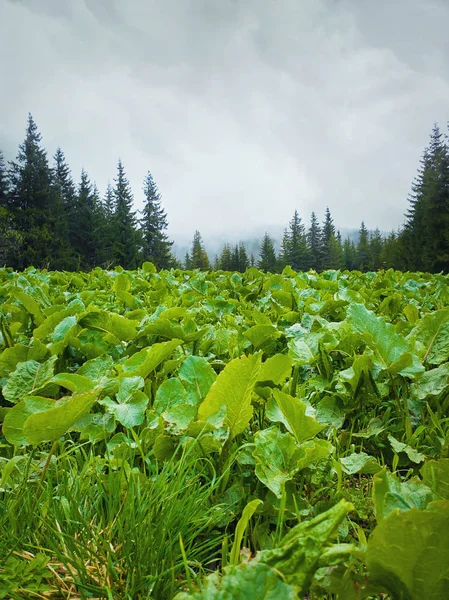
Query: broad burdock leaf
x,y
28,378
412,454
293,415
390,494
144,362
120,327
15,418
197,376
233,389
389,347
408,553
276,369
49,425
435,474
360,463
431,335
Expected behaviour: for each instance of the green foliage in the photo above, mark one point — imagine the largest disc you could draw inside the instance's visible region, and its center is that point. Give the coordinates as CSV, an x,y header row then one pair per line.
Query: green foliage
x,y
157,426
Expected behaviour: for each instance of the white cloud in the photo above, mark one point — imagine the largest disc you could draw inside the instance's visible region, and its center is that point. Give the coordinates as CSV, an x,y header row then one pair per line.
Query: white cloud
x,y
242,109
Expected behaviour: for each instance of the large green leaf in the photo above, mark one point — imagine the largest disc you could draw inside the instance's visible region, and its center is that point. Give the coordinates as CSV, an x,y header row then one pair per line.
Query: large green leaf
x,y
276,457
276,369
131,403
142,363
258,335
233,389
51,424
433,382
292,413
389,347
120,327
28,377
360,462
390,494
302,550
254,581
408,553
15,418
197,376
432,337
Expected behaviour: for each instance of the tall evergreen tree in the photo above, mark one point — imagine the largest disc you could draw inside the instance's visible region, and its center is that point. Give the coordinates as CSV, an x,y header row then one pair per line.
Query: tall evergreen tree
x,y
363,251
225,258
105,230
349,255
329,246
10,238
125,250
375,249
267,255
314,242
198,255
243,258
84,224
426,233
64,193
297,244
156,246
31,202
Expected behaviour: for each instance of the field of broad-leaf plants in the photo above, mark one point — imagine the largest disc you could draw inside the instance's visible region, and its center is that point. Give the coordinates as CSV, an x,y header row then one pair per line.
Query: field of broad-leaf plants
x,y
222,435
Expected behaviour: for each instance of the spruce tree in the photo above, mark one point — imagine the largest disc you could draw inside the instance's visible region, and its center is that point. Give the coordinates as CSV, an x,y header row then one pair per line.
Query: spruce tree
x,y
314,243
284,251
31,203
267,255
426,234
298,258
10,238
156,246
375,249
225,258
349,255
105,231
64,192
198,255
125,247
243,258
363,251
329,246
84,224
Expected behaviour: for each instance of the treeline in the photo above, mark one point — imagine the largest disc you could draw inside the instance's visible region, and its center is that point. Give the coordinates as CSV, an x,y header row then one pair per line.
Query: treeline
x,y
318,247
48,221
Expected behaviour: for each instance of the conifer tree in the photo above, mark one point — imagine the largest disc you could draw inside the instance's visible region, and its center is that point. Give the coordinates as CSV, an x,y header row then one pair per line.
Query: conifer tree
x,y
31,203
298,257
84,223
329,246
426,234
349,255
363,251
10,238
375,250
187,262
64,198
105,231
198,255
225,258
284,251
267,255
125,249
243,258
314,243
156,246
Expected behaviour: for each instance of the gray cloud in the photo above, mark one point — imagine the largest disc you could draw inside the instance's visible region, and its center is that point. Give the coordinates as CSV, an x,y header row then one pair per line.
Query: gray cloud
x,y
242,109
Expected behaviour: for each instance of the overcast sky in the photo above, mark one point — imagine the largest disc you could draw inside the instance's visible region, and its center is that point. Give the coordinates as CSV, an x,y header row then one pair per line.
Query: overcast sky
x,y
243,110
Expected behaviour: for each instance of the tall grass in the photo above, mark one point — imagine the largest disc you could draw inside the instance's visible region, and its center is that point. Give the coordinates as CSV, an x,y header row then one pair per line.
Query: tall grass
x,y
109,528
